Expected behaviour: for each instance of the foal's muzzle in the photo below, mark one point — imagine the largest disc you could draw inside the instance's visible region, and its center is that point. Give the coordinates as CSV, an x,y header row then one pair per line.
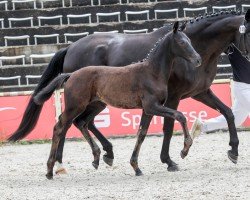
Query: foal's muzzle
x,y
197,61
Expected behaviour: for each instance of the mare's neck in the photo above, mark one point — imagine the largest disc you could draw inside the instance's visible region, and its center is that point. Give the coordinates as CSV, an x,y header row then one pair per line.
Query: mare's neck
x,y
161,59
211,37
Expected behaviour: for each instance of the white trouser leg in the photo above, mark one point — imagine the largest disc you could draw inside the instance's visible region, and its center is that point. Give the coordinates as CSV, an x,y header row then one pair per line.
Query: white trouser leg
x,y
240,108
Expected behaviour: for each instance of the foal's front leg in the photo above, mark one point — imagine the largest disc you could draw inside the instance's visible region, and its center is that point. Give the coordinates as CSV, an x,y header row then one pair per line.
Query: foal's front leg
x,y
168,128
153,107
142,132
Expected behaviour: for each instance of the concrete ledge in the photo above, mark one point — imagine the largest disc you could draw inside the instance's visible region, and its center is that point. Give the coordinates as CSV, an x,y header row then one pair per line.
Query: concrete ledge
x,y
76,28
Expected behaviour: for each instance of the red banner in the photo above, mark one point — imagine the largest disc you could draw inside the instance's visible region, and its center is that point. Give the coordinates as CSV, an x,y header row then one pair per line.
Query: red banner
x,y
11,111
111,121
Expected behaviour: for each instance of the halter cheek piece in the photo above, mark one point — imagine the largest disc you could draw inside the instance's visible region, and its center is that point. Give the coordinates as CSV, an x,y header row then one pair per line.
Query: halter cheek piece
x,y
242,30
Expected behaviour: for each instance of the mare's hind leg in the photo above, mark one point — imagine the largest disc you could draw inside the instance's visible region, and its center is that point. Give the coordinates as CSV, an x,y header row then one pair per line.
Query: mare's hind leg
x,y
209,99
144,124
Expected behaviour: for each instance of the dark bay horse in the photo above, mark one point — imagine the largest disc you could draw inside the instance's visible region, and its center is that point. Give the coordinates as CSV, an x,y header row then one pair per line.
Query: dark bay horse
x,y
140,85
210,35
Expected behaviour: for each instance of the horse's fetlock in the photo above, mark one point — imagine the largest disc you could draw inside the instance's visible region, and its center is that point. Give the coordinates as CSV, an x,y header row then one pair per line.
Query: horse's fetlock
x,y
108,147
96,151
234,143
133,161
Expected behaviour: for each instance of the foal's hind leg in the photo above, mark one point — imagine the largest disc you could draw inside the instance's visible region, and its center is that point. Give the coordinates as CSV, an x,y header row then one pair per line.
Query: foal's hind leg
x,y
59,133
145,122
83,127
87,117
92,109
108,157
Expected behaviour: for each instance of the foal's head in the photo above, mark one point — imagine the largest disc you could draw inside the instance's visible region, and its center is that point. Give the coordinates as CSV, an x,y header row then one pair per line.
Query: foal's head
x,y
182,47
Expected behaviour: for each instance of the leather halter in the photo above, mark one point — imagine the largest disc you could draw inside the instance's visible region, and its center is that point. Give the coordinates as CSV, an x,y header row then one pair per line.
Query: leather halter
x,y
242,41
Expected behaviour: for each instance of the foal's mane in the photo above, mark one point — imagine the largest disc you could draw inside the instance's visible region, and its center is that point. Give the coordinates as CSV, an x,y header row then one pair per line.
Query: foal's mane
x,y
156,45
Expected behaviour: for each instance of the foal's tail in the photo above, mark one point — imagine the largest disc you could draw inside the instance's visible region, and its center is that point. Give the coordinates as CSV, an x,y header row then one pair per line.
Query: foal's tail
x,y
32,111
47,92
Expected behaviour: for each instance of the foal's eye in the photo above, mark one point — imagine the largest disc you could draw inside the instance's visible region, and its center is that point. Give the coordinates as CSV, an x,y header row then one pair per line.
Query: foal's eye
x,y
182,43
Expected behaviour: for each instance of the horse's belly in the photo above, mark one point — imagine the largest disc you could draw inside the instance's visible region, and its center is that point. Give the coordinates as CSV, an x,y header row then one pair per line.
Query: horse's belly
x,y
122,101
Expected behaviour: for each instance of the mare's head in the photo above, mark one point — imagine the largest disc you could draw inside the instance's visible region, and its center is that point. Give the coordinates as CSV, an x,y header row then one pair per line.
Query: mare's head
x,y
242,40
182,47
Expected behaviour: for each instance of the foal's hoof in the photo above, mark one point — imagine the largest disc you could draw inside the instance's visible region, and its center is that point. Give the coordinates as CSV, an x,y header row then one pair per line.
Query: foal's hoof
x,y
183,154
61,171
232,157
108,161
95,164
173,167
49,176
138,172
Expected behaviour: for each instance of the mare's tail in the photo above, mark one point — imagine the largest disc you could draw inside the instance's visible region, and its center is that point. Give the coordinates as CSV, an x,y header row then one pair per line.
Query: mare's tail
x,y
47,92
32,111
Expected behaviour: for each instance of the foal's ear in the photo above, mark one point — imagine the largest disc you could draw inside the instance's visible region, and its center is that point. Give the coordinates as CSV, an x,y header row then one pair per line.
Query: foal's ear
x,y
176,26
247,16
183,26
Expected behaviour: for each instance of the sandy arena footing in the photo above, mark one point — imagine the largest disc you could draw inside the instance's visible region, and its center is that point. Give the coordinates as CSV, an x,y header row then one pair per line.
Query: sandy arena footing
x,y
206,173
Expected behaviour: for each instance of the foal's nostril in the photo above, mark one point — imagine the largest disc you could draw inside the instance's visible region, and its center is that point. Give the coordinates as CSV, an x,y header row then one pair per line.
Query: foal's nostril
x,y
198,62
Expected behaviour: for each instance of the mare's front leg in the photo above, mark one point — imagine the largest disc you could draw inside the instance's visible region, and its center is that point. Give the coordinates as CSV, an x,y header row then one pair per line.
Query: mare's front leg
x,y
142,132
209,99
153,107
168,128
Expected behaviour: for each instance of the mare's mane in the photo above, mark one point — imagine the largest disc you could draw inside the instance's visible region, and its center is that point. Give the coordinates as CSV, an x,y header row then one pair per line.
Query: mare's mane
x,y
212,17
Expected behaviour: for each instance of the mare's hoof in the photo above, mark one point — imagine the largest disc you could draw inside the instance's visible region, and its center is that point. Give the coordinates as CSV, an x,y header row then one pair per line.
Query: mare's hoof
x,y
183,154
138,172
49,176
61,171
173,167
95,164
232,157
108,161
